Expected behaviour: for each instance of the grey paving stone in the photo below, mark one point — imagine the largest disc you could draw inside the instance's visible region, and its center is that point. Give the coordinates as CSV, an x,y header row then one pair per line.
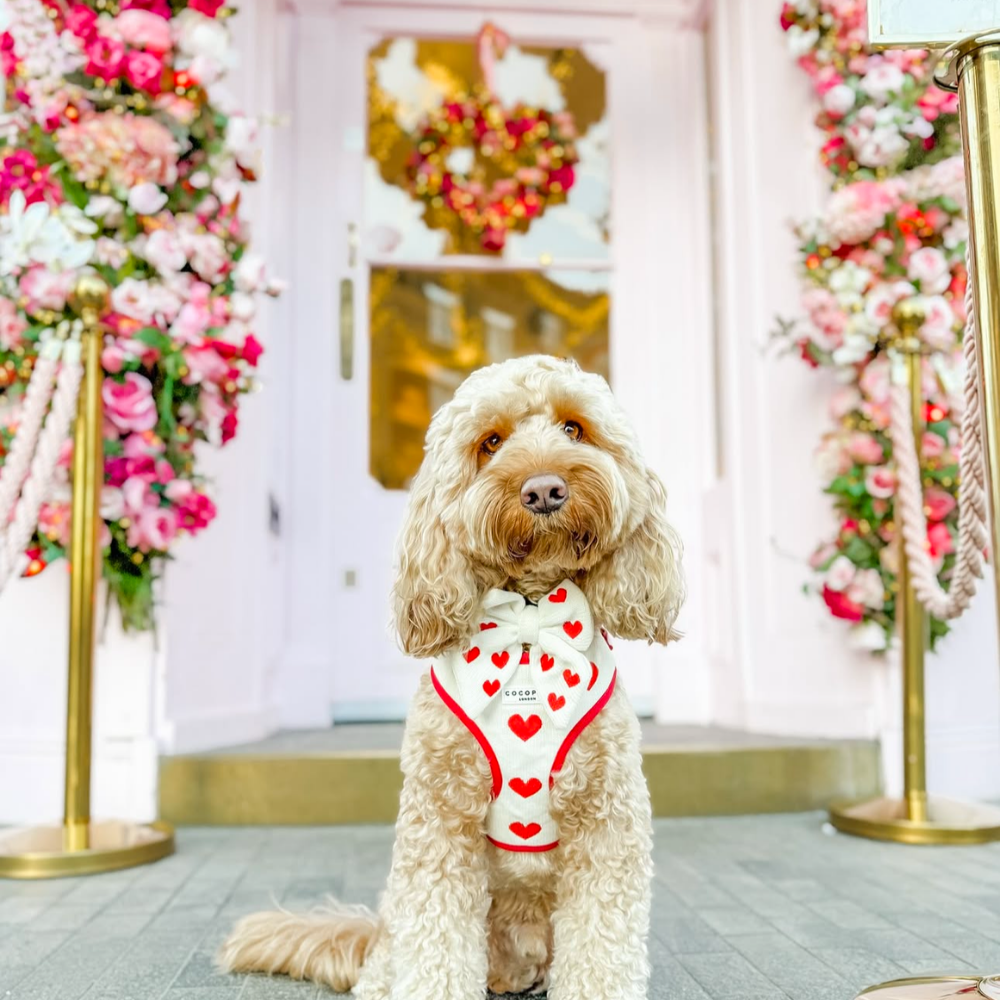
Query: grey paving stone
x,y
147,969
280,988
859,966
731,976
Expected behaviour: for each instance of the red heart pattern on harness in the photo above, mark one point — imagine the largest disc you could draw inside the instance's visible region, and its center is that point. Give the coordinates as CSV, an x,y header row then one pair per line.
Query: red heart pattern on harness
x,y
547,662
523,728
559,596
491,687
525,788
570,678
572,629
525,832
483,626
470,654
556,701
593,675
500,659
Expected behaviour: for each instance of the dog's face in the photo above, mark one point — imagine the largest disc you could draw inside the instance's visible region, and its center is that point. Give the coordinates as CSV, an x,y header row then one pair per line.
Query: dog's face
x,y
532,473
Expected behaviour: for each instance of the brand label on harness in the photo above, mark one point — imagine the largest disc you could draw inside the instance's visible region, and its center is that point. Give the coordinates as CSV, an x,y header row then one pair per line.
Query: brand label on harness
x,y
520,694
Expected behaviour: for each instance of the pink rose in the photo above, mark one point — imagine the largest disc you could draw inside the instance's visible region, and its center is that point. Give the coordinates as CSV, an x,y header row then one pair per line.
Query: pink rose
x,y
191,323
845,398
930,267
129,404
938,328
195,511
143,30
153,528
204,365
54,522
880,482
938,503
147,199
865,449
252,350
164,251
12,326
932,445
112,359
44,289
144,70
106,58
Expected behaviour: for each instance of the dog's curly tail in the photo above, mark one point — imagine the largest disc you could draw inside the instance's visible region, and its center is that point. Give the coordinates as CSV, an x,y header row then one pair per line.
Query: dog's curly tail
x,y
327,946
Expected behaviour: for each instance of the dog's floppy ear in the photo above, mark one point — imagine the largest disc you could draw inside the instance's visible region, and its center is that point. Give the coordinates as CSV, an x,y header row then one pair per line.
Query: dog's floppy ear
x,y
434,593
637,590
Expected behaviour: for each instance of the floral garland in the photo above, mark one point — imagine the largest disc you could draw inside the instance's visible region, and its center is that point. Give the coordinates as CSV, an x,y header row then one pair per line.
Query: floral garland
x,y
883,239
116,155
881,112
531,148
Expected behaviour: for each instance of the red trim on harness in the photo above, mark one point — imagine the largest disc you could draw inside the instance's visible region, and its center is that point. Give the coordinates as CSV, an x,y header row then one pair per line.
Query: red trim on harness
x,y
522,848
476,731
580,727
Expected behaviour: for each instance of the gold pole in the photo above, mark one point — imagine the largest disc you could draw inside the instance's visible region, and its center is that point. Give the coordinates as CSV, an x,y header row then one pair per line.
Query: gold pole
x,y
915,818
80,846
978,73
913,628
88,475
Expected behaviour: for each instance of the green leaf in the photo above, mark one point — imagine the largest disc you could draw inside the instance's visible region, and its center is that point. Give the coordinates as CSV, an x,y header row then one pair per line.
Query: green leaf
x,y
165,407
154,338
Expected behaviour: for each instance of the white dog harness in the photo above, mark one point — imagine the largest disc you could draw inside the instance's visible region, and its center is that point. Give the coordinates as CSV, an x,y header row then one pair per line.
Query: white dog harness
x,y
526,685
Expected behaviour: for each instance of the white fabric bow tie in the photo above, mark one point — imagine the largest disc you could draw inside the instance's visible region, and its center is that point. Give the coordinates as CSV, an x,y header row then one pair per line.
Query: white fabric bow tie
x,y
558,631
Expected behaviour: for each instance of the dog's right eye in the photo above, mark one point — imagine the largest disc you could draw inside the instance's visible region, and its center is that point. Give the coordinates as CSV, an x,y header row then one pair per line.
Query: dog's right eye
x,y
491,445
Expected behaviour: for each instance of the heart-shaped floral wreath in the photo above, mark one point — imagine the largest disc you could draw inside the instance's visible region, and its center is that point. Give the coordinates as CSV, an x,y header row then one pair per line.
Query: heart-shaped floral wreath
x,y
523,161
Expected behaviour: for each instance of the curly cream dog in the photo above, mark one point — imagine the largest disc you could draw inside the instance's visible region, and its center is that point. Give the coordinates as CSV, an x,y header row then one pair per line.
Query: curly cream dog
x,y
532,476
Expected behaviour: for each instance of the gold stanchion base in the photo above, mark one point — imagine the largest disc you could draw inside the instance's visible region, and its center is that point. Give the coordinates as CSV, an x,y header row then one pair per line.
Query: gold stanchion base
x,y
41,851
947,822
935,988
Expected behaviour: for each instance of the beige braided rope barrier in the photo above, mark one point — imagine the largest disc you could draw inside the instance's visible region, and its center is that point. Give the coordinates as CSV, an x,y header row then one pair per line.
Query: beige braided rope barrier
x,y
973,516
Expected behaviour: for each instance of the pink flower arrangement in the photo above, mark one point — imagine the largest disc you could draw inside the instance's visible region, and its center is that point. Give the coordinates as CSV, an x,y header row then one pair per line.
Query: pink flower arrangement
x,y
115,124
894,234
880,112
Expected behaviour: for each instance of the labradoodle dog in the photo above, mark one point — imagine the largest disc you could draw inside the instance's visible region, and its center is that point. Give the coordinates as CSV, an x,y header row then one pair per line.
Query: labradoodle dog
x,y
535,534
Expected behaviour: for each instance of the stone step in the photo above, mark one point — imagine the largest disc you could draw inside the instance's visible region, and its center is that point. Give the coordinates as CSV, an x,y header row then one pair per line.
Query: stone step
x,y
350,774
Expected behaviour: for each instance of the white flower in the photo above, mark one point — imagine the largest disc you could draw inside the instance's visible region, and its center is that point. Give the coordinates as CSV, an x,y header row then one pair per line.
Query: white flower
x,y
250,274
930,267
839,100
866,588
956,233
882,80
855,347
165,251
849,277
840,574
135,299
868,636
204,45
919,126
110,252
882,147
146,199
799,41
242,137
31,234
242,306
107,209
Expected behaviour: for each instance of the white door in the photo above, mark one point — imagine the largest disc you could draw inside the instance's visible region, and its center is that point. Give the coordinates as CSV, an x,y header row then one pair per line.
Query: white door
x,y
431,303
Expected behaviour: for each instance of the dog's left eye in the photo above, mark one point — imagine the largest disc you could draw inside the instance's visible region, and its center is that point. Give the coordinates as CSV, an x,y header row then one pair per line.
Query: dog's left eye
x,y
492,444
573,430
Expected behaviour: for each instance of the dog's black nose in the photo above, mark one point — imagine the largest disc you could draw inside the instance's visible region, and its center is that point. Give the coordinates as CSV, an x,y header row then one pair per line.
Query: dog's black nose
x,y
544,493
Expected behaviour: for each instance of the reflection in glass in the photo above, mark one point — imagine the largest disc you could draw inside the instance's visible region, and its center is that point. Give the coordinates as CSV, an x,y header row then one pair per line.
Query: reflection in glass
x,y
429,330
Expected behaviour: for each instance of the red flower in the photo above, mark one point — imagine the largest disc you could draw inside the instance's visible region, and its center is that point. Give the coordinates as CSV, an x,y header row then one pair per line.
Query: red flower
x,y
841,606
196,512
106,58
788,14
562,176
252,350
207,7
82,21
939,540
494,239
806,354
229,423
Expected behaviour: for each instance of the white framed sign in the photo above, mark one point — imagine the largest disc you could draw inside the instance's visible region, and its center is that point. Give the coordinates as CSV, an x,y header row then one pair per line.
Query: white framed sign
x,y
929,24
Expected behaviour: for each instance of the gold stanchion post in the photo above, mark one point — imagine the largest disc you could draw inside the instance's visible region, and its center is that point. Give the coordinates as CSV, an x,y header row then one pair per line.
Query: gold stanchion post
x,y
915,818
81,846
